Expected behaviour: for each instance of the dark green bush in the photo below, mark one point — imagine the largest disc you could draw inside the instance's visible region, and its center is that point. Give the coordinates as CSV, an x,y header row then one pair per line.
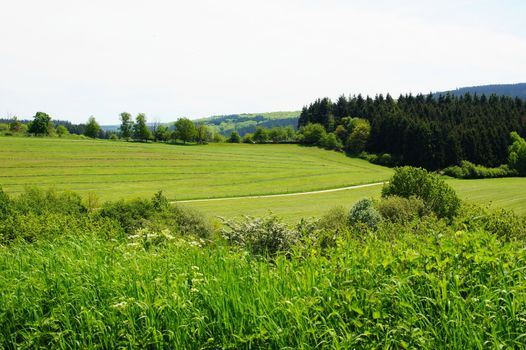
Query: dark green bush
x,y
436,194
402,210
468,170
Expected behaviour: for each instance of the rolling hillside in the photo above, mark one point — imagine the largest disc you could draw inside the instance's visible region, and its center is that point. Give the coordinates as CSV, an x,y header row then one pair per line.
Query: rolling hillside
x,y
246,123
512,90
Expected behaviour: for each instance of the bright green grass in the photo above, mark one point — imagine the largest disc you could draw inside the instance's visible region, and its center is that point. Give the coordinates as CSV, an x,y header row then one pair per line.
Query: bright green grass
x,y
508,193
113,170
291,209
433,289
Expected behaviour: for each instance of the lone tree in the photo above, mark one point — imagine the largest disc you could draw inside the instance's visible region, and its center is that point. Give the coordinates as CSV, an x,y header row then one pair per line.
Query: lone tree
x,y
140,129
41,124
92,128
185,130
126,125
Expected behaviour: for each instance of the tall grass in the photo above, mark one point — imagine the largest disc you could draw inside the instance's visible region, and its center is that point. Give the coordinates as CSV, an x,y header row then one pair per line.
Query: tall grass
x,y
401,287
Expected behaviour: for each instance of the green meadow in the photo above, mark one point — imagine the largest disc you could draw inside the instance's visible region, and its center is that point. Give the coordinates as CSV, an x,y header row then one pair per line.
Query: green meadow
x,y
113,170
122,170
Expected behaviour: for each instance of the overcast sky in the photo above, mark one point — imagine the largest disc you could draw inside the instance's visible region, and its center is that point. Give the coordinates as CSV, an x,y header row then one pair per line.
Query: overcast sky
x,y
168,59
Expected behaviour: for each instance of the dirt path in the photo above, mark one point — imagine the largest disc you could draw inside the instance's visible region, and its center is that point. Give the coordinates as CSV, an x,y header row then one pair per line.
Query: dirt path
x,y
281,195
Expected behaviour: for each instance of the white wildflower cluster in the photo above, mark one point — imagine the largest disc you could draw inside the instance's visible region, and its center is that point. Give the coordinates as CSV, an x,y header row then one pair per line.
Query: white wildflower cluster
x,y
261,236
144,238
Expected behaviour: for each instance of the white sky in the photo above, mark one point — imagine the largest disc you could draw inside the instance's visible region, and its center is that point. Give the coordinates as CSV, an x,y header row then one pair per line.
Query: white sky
x,y
168,59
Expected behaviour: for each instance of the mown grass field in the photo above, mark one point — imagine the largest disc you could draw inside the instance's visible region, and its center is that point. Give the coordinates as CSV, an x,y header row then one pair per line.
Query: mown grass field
x,y
113,170
507,193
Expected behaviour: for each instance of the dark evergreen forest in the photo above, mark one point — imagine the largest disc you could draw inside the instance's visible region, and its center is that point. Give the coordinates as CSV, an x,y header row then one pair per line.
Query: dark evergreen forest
x,y
431,132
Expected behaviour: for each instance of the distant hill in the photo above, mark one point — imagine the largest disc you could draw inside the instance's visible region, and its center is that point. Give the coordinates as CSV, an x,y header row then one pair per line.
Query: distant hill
x,y
247,122
512,90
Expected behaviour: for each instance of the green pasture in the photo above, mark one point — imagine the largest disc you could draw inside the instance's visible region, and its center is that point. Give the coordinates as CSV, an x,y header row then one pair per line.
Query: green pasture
x,y
508,193
114,170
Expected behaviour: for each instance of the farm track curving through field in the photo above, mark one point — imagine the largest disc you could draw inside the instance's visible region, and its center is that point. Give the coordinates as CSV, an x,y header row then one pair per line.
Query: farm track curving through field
x,y
280,194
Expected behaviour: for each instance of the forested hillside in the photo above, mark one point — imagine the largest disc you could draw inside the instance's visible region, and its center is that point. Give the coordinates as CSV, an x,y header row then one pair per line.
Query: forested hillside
x,y
246,123
511,90
427,131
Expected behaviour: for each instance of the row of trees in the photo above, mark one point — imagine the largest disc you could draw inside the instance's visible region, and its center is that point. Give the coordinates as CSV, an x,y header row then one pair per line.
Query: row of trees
x,y
423,130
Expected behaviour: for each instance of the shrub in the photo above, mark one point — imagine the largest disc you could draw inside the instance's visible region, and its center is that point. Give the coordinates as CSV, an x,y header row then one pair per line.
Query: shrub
x,y
436,194
234,137
261,236
364,212
336,218
505,224
331,142
468,170
131,215
384,159
313,134
402,210
4,204
34,200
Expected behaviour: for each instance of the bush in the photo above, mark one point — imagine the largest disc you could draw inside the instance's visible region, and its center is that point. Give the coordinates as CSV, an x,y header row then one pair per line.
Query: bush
x,y
505,224
313,134
156,214
402,210
4,204
261,236
336,218
364,212
34,200
384,159
468,170
234,137
331,142
436,194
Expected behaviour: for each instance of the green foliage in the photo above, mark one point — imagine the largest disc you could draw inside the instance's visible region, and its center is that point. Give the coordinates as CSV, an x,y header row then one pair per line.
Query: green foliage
x,y
16,126
330,141
141,132
156,214
126,127
261,236
185,130
424,287
468,170
364,212
92,128
5,205
517,154
402,210
234,137
385,159
260,135
437,195
359,135
248,138
62,131
41,124
313,134
161,133
336,219
432,132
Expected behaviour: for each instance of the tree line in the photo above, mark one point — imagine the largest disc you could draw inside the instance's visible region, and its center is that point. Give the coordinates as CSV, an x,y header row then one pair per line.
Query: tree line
x,y
427,131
